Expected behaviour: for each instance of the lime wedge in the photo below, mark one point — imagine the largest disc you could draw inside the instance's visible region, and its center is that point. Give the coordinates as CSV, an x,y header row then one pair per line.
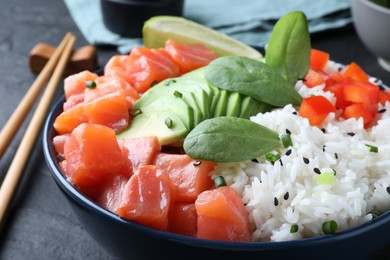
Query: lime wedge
x,y
158,29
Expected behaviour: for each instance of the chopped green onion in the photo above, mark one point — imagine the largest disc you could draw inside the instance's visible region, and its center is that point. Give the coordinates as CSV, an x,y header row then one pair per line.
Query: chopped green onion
x,y
133,112
373,149
177,94
286,140
272,157
375,212
219,181
326,176
294,228
168,122
329,227
91,84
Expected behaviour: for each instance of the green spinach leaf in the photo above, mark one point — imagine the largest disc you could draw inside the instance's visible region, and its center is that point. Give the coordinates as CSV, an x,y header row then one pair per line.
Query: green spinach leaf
x,y
289,47
230,139
252,78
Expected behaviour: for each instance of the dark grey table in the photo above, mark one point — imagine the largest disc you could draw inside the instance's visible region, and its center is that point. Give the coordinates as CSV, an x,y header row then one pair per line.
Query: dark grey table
x,y
41,224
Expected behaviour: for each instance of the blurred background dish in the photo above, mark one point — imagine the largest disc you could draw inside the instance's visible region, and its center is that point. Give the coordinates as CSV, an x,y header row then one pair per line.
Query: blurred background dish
x,y
371,21
126,17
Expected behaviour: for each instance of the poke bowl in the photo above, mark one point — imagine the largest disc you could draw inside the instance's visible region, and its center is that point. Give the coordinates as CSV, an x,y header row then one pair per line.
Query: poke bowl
x,y
295,205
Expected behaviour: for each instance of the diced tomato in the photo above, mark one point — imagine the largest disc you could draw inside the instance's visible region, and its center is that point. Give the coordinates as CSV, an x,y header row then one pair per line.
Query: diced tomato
x,y
316,109
190,177
73,101
313,78
183,219
147,197
361,93
338,91
70,119
141,150
111,190
222,216
110,110
59,143
358,110
75,84
318,59
148,66
189,56
355,72
384,96
91,153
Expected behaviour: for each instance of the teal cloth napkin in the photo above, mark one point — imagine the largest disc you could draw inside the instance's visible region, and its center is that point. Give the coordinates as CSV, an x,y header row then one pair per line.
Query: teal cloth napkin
x,y
250,21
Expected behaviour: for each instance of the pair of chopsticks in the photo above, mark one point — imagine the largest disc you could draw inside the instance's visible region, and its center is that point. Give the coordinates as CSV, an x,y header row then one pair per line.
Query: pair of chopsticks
x,y
54,68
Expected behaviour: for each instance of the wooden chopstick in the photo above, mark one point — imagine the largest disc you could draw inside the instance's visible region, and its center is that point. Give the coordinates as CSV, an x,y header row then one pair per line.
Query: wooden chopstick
x,y
15,171
10,128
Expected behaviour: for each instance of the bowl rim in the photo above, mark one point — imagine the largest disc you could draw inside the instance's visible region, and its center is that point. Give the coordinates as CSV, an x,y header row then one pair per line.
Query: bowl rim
x,y
91,206
374,6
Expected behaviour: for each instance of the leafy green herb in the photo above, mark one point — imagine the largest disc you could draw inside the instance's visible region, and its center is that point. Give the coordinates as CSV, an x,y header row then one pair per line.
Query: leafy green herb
x,y
373,149
294,228
168,122
252,78
90,84
230,139
219,181
329,227
289,47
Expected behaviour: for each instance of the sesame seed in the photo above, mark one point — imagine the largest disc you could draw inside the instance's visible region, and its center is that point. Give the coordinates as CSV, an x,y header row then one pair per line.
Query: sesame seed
x,y
276,202
286,196
294,113
255,160
197,163
323,148
323,130
382,110
388,189
288,152
336,155
281,162
316,170
288,132
306,160
351,134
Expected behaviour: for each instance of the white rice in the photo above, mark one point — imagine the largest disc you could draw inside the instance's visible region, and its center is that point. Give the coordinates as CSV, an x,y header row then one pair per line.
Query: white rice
x,y
287,193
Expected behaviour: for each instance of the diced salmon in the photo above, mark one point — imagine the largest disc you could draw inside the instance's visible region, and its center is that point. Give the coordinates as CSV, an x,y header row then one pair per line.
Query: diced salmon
x,y
183,219
110,110
109,84
111,190
91,153
70,119
59,143
116,67
147,198
76,84
73,101
189,56
222,216
148,66
190,177
141,150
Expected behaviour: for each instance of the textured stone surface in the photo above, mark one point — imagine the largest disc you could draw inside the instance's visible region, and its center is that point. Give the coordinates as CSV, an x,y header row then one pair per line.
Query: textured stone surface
x,y
41,224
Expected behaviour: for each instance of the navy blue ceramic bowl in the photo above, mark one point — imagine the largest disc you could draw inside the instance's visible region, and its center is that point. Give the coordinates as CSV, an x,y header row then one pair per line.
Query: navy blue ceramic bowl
x,y
129,240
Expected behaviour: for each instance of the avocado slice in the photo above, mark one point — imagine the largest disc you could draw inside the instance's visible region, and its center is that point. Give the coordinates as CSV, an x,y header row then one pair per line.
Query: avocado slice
x,y
220,107
251,107
234,104
153,124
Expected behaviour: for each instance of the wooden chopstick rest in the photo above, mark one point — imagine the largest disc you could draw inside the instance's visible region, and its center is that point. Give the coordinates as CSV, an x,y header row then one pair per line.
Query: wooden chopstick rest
x,y
83,58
